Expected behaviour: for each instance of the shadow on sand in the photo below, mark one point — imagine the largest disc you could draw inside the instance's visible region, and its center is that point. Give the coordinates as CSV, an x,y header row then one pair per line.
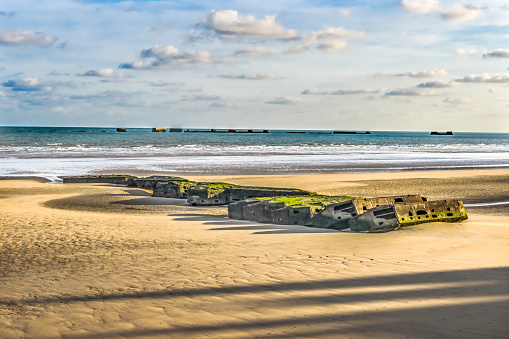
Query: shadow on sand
x,y
464,304
243,225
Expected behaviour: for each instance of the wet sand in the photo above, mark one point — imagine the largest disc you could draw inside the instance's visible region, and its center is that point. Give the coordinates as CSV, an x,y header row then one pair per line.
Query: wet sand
x,y
104,261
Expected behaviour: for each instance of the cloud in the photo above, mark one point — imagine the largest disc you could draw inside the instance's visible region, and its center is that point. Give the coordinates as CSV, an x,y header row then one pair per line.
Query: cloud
x,y
165,83
458,101
9,37
332,46
103,73
498,53
229,24
298,48
167,57
414,92
505,7
336,33
466,52
8,14
485,78
285,101
419,6
414,74
26,85
437,84
161,28
113,98
494,90
463,12
331,35
345,12
251,76
252,51
202,97
341,91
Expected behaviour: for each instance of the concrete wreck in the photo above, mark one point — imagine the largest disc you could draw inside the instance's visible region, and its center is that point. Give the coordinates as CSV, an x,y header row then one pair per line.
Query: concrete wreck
x,y
150,182
342,212
406,214
176,188
224,193
117,179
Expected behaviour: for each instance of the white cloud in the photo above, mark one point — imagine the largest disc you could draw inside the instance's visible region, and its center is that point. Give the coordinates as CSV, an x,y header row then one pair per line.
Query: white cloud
x,y
437,84
298,48
485,78
345,12
285,101
9,37
229,24
332,46
419,6
252,51
466,52
494,90
336,33
331,35
414,92
102,73
26,85
414,74
505,7
427,74
458,101
203,97
251,76
342,91
463,12
169,56
498,53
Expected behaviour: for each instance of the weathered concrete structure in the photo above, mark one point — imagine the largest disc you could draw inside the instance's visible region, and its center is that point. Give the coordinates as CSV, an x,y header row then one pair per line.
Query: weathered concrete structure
x,y
222,193
341,212
405,214
359,214
118,179
150,182
173,189
301,210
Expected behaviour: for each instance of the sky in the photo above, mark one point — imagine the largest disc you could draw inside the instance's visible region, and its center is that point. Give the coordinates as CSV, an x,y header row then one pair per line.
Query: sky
x,y
415,65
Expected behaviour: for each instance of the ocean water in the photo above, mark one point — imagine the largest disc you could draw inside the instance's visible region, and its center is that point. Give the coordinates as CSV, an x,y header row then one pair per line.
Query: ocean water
x,y
56,151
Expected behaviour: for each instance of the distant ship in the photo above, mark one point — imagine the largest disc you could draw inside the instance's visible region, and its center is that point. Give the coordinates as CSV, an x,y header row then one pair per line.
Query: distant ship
x,y
442,133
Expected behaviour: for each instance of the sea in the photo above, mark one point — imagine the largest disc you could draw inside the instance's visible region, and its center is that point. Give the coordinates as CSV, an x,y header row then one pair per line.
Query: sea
x,y
53,152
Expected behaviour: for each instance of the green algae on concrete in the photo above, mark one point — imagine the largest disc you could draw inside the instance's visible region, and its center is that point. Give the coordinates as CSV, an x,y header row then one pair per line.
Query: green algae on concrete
x,y
221,193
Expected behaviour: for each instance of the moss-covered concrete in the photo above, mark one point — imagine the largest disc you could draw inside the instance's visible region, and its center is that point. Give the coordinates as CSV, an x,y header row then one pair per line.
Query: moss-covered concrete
x,y
221,193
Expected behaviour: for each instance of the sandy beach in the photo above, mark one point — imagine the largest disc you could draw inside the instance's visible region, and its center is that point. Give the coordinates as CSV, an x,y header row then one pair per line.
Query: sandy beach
x,y
105,261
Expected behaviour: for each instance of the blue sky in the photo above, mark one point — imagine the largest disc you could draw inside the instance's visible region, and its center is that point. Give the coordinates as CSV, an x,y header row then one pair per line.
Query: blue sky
x,y
365,65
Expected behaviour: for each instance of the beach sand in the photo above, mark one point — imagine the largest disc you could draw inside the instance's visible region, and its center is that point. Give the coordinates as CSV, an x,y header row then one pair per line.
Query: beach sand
x,y
105,261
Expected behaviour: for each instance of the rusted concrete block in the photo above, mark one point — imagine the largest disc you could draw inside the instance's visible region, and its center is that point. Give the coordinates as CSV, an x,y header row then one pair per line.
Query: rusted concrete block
x,y
405,214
